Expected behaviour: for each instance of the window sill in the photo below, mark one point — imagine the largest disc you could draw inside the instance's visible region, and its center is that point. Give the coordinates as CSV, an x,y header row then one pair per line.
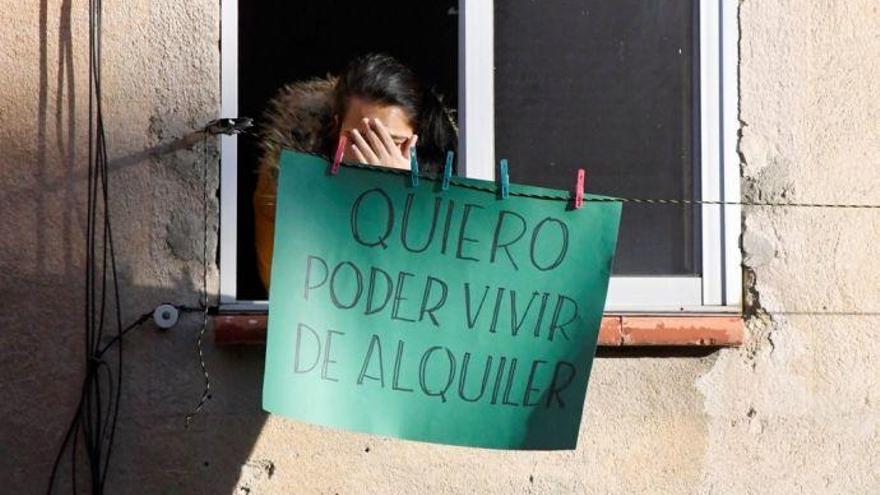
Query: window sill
x,y
616,330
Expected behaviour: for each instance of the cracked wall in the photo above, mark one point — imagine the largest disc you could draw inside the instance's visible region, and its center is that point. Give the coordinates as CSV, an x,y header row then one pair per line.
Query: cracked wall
x,y
795,410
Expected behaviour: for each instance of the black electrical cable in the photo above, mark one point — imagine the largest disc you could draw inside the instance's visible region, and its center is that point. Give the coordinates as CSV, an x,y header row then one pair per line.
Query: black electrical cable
x,y
97,410
206,391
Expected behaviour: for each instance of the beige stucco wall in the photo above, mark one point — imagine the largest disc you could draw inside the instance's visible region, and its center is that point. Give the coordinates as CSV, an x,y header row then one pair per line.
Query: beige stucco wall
x,y
795,410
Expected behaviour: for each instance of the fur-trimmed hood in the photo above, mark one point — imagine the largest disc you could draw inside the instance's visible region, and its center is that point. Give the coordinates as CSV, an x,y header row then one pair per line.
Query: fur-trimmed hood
x,y
296,118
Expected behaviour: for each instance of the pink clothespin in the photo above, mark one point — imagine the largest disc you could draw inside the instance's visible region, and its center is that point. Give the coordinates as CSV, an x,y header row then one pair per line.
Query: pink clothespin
x,y
579,190
340,150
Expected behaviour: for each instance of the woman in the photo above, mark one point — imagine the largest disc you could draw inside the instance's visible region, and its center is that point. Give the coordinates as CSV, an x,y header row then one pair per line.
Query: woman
x,y
377,103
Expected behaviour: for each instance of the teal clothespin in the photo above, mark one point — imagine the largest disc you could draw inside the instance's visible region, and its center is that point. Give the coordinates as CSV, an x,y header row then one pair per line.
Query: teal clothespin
x,y
447,170
413,167
505,179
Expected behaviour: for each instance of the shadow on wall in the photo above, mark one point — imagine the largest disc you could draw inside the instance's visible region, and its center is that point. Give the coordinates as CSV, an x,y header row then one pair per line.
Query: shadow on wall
x,y
154,452
42,283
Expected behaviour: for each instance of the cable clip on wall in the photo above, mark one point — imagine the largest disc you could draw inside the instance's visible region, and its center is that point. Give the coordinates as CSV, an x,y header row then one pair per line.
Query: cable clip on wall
x,y
229,126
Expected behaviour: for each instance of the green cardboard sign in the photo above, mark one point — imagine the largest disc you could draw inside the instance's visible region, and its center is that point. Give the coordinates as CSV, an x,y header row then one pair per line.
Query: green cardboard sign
x,y
442,316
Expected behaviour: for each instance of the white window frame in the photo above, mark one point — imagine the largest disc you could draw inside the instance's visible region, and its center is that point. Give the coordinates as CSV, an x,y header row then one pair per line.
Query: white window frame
x,y
717,290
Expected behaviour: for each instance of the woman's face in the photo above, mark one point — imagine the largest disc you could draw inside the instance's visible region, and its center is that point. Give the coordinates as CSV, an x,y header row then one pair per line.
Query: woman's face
x,y
359,126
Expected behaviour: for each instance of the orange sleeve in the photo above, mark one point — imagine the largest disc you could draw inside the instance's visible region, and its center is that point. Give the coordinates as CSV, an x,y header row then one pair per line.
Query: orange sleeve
x,y
264,223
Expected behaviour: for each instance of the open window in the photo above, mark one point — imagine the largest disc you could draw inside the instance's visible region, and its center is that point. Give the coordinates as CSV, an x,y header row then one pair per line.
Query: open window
x,y
640,94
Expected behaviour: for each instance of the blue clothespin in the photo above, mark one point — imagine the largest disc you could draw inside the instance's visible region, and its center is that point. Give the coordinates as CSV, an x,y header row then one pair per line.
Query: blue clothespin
x,y
505,179
413,167
447,170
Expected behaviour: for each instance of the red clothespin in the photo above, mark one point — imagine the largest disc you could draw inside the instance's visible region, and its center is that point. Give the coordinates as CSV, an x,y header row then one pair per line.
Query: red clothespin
x,y
340,150
579,190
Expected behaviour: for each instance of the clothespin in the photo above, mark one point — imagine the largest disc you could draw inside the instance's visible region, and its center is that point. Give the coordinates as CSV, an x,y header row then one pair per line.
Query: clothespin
x,y
505,179
579,189
447,170
337,158
413,167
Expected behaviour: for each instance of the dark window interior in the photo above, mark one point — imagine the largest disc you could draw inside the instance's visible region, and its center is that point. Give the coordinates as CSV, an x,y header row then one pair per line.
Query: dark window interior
x,y
284,41
611,87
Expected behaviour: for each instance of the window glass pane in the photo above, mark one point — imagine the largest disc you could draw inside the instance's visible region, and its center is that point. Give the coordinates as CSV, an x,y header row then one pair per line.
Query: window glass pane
x,y
611,87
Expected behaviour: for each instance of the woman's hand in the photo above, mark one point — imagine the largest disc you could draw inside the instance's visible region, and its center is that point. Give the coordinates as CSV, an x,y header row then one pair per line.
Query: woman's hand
x,y
374,145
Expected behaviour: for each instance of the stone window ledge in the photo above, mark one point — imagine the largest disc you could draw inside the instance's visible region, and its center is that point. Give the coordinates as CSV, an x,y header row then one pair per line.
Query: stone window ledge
x,y
616,330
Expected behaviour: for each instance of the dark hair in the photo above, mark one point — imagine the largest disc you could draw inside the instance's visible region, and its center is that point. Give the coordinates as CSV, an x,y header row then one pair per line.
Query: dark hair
x,y
383,79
